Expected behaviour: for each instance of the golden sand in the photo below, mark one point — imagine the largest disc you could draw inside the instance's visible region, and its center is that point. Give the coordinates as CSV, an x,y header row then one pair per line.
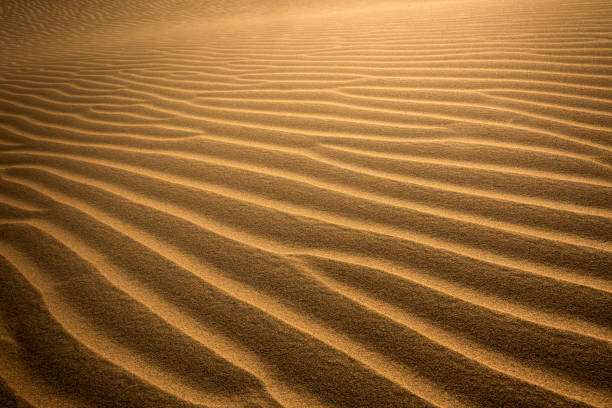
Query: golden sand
x,y
278,203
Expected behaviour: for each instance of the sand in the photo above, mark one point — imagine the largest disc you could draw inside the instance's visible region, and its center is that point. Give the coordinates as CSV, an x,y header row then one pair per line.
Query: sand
x,y
278,203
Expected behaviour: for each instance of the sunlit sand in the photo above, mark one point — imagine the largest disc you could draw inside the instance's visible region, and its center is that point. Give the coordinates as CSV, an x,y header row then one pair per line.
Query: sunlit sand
x,y
283,203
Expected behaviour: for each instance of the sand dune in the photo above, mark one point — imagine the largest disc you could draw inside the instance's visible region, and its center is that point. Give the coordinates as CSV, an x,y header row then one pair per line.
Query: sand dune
x,y
305,204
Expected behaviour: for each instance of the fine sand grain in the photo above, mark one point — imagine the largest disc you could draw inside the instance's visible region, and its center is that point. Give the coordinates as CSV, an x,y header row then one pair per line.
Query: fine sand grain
x,y
283,203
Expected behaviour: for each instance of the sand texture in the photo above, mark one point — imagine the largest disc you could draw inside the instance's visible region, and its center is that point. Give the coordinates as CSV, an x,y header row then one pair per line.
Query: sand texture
x,y
305,204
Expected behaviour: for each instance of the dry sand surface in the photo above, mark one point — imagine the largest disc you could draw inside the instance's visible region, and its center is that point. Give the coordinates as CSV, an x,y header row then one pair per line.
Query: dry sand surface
x,y
284,203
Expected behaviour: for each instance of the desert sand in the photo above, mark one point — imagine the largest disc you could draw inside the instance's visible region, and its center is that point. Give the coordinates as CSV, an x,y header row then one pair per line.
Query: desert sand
x,y
282,203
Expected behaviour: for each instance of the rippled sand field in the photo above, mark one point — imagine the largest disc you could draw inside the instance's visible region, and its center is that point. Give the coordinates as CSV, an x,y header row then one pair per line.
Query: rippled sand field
x,y
282,203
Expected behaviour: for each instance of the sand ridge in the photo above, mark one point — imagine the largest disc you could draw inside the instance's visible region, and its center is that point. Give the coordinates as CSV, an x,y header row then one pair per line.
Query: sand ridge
x,y
305,204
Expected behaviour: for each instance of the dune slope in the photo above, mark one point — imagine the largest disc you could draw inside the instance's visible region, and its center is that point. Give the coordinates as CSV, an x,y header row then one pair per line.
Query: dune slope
x,y
305,204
